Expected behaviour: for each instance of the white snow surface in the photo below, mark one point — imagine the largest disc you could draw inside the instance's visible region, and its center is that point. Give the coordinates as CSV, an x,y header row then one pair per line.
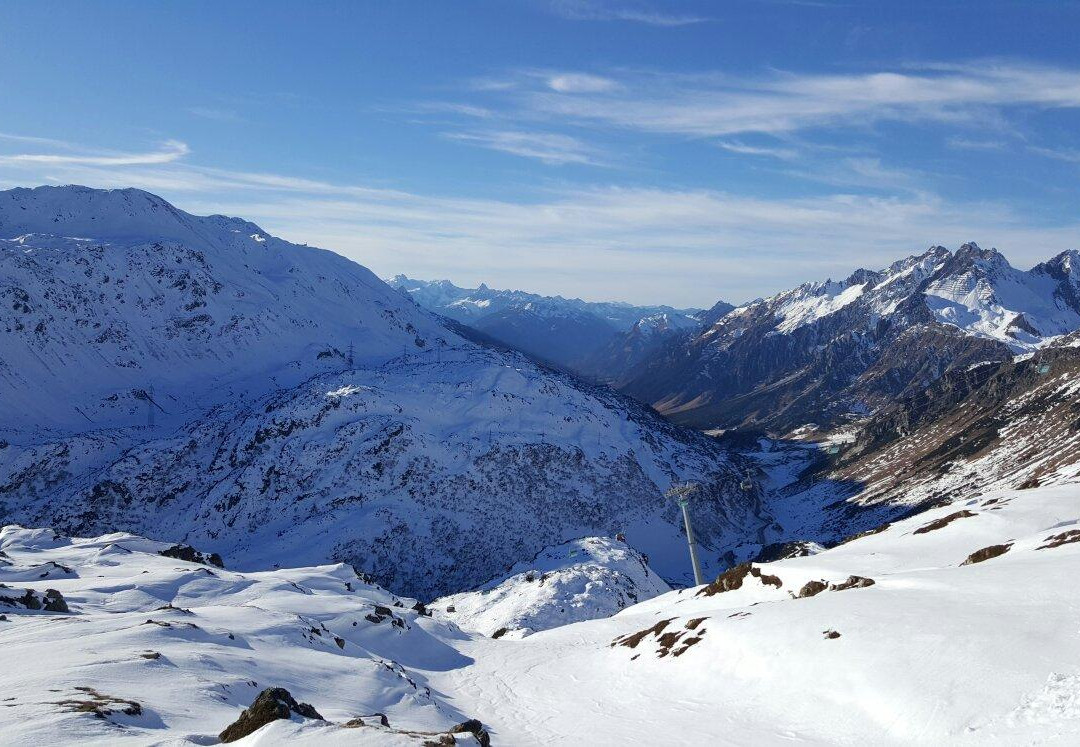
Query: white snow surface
x,y
578,580
217,638
934,652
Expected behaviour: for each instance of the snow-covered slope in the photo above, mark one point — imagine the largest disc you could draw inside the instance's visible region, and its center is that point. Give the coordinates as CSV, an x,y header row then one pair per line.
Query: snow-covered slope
x,y
952,627
823,352
578,580
114,302
433,474
427,460
934,651
980,292
153,649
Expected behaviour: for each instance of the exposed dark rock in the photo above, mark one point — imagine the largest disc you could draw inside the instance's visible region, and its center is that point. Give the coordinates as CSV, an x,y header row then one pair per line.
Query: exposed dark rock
x,y
831,634
811,588
191,555
474,727
733,578
1057,540
500,632
271,704
782,551
943,521
987,553
54,601
853,582
51,601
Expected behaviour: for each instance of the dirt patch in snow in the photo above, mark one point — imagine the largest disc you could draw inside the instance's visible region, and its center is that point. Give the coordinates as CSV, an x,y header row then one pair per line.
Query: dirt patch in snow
x,y
943,521
91,701
1057,540
734,577
986,553
632,640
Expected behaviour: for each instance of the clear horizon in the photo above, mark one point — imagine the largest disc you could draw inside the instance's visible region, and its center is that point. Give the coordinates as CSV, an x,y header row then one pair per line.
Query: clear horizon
x,y
654,152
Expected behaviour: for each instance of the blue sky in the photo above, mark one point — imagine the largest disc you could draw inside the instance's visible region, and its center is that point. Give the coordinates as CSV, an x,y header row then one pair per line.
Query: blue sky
x,y
642,150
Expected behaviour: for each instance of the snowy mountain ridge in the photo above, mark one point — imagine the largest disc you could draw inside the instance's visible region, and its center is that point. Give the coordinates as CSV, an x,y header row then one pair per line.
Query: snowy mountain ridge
x,y
594,339
822,352
468,304
199,310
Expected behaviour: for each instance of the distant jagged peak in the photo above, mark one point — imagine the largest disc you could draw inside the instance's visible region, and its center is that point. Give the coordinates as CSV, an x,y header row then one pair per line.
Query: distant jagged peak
x,y
1064,265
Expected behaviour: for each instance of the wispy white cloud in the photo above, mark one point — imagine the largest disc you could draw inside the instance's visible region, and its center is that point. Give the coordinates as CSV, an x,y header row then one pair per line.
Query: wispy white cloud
x,y
1069,155
580,83
719,105
551,148
734,146
635,12
170,150
963,143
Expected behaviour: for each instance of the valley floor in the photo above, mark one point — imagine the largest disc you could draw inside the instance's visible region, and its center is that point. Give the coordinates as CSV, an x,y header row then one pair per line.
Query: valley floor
x,y
959,625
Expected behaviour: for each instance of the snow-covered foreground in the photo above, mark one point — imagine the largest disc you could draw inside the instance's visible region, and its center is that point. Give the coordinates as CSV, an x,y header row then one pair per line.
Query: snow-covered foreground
x,y
157,649
933,651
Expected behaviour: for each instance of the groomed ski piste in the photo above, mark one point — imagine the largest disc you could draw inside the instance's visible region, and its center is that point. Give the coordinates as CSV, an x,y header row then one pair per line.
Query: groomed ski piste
x,y
957,625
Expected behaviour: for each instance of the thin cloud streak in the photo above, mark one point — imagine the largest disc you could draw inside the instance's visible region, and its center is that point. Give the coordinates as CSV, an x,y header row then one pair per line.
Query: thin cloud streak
x,y
171,150
550,148
597,10
717,105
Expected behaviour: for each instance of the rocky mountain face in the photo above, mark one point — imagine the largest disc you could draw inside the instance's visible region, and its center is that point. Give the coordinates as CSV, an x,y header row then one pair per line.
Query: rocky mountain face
x,y
1010,425
823,352
304,411
595,339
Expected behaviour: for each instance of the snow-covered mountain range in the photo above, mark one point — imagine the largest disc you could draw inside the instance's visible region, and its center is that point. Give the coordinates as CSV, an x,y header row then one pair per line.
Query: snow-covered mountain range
x,y
303,411
824,351
581,336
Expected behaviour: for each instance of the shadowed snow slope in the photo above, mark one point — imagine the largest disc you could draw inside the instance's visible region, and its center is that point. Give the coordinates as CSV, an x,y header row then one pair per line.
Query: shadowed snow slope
x,y
579,580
